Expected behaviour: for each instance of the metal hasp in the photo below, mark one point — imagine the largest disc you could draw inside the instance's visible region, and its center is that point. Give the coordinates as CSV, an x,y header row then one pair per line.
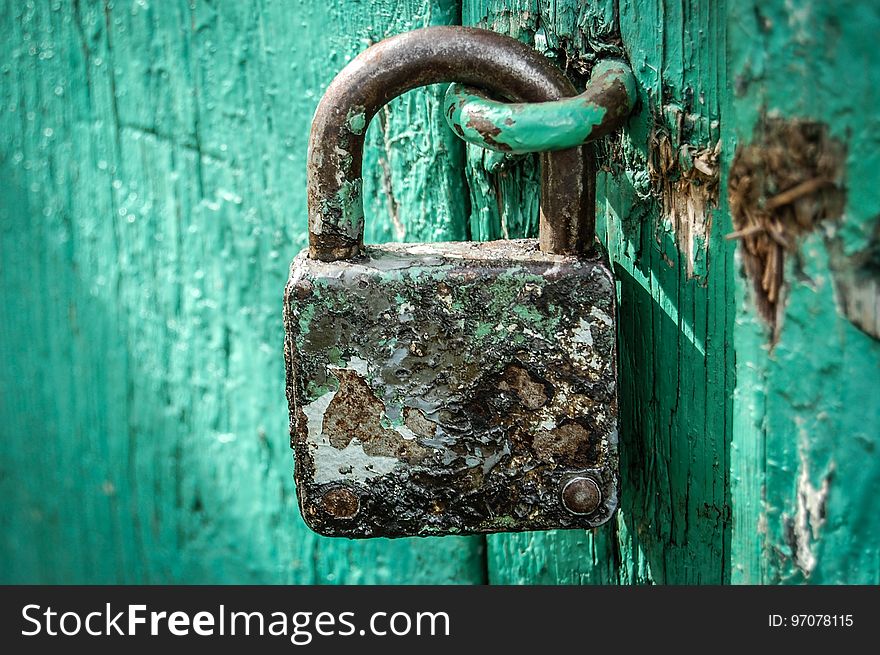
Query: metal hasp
x,y
449,388
521,127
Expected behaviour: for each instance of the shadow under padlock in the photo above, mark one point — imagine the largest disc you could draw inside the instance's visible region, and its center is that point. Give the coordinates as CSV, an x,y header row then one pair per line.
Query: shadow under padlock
x,y
454,388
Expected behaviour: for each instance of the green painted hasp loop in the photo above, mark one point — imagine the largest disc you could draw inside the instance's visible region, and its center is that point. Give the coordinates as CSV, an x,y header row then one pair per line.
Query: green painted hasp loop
x,y
520,127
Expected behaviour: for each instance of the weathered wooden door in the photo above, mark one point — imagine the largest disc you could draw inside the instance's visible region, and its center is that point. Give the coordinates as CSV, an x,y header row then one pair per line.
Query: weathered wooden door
x,y
152,157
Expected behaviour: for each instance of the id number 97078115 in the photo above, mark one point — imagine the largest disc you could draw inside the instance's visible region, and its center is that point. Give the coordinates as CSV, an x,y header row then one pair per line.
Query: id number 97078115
x,y
810,621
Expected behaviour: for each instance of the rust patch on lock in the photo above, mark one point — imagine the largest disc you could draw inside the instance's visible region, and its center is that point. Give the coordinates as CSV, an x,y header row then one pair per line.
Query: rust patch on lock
x,y
531,392
569,443
488,130
355,413
451,389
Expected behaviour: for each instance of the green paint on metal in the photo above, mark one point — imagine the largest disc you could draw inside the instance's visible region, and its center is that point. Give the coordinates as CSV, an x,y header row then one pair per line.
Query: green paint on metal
x,y
349,203
306,319
483,330
520,128
541,126
357,122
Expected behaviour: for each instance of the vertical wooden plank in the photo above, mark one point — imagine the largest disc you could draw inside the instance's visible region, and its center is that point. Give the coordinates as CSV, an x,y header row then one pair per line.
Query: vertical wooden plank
x,y
805,470
672,264
153,164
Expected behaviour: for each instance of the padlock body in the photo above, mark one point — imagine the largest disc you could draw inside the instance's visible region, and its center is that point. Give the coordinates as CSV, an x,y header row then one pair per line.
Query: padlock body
x,y
452,388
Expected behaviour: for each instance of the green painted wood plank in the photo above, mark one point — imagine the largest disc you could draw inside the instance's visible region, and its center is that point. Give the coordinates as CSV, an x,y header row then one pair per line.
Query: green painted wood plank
x,y
805,469
153,165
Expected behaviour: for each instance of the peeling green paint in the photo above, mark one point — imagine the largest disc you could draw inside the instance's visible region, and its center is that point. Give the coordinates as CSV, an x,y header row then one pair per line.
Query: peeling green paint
x,y
357,122
540,126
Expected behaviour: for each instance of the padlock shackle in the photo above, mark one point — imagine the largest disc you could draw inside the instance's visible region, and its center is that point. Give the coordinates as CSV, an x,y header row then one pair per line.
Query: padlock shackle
x,y
481,58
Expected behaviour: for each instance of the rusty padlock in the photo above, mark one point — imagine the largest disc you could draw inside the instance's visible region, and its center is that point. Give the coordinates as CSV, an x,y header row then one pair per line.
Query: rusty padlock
x,y
450,388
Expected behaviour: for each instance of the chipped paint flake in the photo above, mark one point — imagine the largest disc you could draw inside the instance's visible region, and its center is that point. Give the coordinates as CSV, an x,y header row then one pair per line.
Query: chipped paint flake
x,y
804,529
602,316
582,333
331,463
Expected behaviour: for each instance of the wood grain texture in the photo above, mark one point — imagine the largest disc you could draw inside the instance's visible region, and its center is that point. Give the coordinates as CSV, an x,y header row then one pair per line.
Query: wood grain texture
x,y
805,470
153,165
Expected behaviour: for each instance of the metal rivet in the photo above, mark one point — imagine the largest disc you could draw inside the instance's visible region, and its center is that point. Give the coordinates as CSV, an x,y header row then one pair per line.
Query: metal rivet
x,y
581,496
341,503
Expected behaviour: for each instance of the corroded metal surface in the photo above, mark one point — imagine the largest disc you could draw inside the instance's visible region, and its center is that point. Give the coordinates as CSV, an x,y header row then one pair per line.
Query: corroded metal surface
x,y
482,58
452,388
520,127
